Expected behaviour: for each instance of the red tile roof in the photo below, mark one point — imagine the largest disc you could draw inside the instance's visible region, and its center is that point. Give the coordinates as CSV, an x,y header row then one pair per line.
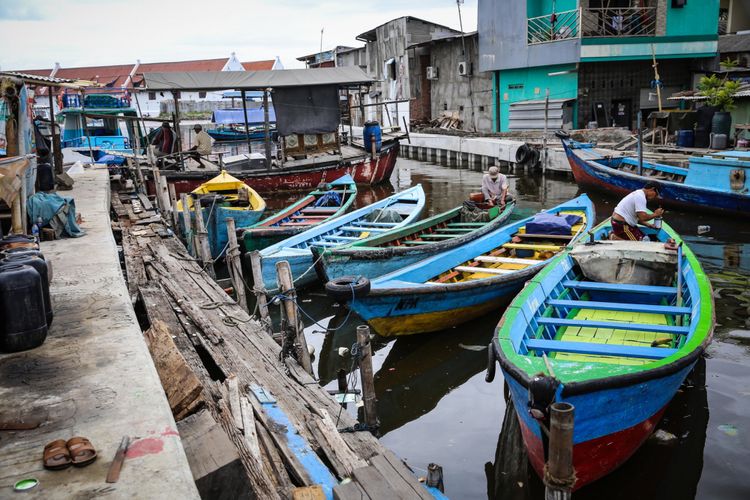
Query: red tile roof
x,y
175,66
258,65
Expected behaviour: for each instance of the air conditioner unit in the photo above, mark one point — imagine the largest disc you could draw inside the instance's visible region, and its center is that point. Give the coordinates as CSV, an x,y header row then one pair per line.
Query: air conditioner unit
x,y
463,68
432,73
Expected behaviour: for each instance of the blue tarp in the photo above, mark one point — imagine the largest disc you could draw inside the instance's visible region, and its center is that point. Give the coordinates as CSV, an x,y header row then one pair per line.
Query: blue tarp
x,y
232,115
546,223
330,199
51,206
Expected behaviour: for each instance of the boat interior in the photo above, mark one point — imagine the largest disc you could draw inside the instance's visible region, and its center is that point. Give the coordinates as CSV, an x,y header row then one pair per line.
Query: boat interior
x,y
313,209
378,221
521,251
573,318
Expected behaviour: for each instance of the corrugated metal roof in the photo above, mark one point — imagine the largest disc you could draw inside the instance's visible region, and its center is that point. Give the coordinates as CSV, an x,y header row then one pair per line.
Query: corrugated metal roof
x,y
529,115
734,43
48,80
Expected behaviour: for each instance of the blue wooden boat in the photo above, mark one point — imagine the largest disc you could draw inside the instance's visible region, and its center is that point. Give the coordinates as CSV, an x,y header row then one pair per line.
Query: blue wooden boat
x,y
612,328
231,124
384,253
393,212
719,182
466,282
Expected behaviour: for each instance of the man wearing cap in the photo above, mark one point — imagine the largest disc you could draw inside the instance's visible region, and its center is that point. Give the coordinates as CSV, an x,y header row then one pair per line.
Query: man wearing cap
x,y
203,143
495,187
632,211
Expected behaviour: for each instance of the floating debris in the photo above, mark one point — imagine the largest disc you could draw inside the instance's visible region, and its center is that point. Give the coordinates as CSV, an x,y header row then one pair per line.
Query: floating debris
x,y
728,429
663,437
473,347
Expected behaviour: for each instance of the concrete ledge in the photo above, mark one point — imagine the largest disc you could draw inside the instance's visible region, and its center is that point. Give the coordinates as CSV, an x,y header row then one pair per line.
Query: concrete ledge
x,y
93,376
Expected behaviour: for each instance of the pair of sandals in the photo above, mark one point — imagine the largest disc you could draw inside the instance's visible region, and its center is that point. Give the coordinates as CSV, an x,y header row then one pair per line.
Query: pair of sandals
x,y
60,454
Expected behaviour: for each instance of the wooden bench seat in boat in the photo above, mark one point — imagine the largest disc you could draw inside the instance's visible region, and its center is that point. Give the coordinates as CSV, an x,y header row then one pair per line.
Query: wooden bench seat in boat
x,y
345,238
454,229
487,270
599,349
615,325
438,236
617,306
310,217
527,246
375,224
361,229
614,287
320,210
562,237
415,242
466,224
506,260
300,223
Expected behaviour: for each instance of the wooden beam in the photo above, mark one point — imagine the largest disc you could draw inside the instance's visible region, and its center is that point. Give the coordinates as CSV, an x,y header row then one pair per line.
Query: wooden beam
x,y
284,276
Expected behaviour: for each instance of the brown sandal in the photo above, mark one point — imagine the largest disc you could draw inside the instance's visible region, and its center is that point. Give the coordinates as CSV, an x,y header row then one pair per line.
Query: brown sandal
x,y
56,455
82,452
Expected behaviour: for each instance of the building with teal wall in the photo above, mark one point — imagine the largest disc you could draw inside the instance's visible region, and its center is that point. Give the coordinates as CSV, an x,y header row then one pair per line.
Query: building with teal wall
x,y
611,42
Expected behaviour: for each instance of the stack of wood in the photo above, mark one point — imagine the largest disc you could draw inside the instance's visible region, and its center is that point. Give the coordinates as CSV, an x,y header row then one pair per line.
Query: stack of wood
x,y
448,120
240,408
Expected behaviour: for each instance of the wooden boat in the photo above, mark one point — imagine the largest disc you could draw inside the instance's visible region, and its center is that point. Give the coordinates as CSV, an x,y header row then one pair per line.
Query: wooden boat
x,y
466,282
405,205
224,197
718,182
618,352
384,253
321,205
301,175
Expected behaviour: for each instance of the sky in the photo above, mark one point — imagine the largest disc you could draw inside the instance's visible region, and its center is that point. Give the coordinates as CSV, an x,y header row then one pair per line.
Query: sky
x,y
102,32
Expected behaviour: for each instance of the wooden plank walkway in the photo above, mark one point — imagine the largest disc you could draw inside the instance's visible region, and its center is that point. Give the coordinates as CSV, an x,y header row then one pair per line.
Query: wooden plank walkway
x,y
233,357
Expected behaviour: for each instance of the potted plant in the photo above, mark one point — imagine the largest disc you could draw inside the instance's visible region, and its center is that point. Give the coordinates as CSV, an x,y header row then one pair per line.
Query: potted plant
x,y
720,94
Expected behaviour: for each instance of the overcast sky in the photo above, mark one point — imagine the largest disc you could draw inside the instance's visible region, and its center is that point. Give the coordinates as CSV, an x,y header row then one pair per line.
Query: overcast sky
x,y
37,33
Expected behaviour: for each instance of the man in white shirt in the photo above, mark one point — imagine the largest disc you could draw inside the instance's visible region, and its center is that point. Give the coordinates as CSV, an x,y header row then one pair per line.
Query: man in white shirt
x,y
495,187
632,211
203,144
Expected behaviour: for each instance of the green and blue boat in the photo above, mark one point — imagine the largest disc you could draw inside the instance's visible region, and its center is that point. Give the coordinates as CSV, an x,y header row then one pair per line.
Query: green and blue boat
x,y
611,328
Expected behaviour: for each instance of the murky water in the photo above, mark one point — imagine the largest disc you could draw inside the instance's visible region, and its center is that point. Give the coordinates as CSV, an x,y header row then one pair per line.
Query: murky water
x,y
434,405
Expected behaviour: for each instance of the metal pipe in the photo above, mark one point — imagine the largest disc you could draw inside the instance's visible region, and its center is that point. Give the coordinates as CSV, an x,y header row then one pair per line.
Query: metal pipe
x,y
640,142
247,125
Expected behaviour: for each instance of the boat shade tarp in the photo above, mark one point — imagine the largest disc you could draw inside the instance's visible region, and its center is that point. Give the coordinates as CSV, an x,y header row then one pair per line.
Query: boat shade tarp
x,y
307,110
255,80
231,115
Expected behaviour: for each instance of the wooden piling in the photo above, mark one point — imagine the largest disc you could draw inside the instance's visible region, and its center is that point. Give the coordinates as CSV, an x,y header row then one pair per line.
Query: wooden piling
x,y
286,285
259,289
366,373
202,247
435,477
188,234
559,475
234,265
173,200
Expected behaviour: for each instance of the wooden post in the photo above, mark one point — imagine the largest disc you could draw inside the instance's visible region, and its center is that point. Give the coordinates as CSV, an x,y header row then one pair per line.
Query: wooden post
x,y
203,247
286,285
234,266
640,142
559,476
173,201
366,374
266,130
247,125
435,477
136,152
259,288
57,159
656,75
176,120
188,234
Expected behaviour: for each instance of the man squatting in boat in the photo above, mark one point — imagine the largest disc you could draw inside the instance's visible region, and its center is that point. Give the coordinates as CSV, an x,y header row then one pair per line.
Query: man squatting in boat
x,y
495,187
632,211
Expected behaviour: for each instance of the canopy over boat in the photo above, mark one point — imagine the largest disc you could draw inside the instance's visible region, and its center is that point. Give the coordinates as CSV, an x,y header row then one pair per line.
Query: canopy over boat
x,y
255,116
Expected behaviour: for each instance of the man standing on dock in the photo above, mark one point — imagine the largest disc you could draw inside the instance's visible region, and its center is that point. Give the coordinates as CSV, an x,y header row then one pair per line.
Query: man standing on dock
x,y
495,187
632,211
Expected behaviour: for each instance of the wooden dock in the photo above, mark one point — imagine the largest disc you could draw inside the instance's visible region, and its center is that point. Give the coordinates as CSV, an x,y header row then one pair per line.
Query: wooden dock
x,y
227,383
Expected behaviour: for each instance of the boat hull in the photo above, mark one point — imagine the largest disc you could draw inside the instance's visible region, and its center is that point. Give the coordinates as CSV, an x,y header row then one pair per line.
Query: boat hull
x,y
609,424
398,312
364,170
299,263
672,194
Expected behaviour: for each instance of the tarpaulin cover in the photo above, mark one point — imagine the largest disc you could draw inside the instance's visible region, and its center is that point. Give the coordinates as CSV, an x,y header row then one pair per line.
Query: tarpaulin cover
x,y
307,110
232,115
257,80
55,210
546,223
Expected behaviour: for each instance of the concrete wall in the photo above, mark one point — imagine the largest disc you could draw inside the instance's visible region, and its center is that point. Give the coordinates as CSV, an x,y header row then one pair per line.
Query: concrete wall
x,y
739,16
469,96
502,39
527,84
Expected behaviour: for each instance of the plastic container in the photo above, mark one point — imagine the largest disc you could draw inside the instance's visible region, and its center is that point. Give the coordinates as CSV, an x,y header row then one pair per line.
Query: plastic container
x,y
24,324
721,123
372,128
686,138
657,222
45,177
39,266
18,241
719,141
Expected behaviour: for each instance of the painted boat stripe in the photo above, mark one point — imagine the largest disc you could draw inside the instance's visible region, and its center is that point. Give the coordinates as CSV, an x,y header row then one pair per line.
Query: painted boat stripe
x,y
617,306
614,287
643,327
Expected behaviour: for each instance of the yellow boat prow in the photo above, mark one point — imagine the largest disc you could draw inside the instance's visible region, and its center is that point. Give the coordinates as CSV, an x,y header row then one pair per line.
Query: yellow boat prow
x,y
229,186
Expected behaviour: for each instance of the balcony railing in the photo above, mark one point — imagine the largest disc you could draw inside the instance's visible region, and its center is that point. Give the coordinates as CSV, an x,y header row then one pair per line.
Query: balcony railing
x,y
553,27
614,22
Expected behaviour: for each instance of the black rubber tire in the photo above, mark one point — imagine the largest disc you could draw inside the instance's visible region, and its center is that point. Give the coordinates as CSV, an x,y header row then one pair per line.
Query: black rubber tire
x,y
340,289
561,134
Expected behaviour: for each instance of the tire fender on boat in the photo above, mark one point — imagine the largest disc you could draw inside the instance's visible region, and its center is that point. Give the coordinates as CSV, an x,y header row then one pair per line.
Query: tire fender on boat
x,y
346,288
490,375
